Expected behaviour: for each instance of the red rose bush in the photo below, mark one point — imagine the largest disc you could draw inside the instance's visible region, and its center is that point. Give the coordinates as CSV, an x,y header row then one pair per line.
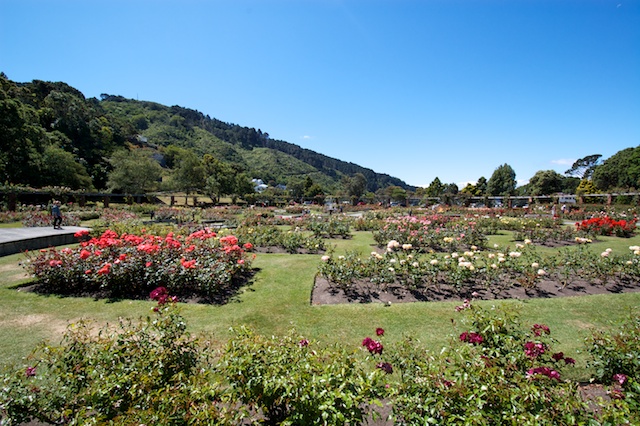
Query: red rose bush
x,y
201,265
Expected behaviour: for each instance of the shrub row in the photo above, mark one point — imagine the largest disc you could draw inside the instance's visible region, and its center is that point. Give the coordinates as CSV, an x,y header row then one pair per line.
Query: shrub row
x,y
151,371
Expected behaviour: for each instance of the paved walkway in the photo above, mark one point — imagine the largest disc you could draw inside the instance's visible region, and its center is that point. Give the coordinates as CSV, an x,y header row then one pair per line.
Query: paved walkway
x,y
16,240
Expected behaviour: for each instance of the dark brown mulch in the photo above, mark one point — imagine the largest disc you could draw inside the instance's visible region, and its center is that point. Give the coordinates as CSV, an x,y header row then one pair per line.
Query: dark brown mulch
x,y
324,293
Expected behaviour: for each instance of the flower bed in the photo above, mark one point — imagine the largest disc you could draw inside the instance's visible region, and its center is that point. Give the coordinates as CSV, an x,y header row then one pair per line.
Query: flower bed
x,y
200,265
42,219
437,232
498,371
519,272
268,236
607,226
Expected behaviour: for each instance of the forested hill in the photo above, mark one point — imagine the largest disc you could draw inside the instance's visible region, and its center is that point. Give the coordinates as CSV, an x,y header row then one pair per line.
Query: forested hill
x,y
148,116
51,135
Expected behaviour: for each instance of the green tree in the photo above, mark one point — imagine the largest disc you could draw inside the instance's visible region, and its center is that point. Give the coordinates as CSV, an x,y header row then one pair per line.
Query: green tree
x,y
502,181
355,185
189,175
586,187
469,189
570,184
620,171
134,172
220,177
396,193
481,186
242,185
60,168
22,139
295,187
308,183
545,182
435,188
583,168
450,189
314,190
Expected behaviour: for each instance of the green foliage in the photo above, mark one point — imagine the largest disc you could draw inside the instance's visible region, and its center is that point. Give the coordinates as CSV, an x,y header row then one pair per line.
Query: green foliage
x,y
147,371
583,168
51,135
134,172
616,351
502,181
268,236
40,114
545,182
497,373
325,226
620,171
296,382
126,265
615,358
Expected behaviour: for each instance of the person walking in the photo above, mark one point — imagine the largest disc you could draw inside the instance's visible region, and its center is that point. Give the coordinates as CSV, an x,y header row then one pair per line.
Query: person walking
x,y
57,214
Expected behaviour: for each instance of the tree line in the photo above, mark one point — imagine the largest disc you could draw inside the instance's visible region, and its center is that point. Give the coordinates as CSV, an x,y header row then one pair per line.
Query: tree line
x,y
51,135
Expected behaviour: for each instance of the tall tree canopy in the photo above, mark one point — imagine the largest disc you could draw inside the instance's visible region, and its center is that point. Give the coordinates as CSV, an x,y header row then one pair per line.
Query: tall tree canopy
x,y
620,171
134,172
435,188
583,167
502,181
355,186
545,182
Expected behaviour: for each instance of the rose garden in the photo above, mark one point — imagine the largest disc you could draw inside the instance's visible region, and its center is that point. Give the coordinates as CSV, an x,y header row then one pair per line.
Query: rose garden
x,y
375,316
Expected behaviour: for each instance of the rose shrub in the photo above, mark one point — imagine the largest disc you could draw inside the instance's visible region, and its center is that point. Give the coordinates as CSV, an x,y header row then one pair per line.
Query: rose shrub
x,y
200,265
152,371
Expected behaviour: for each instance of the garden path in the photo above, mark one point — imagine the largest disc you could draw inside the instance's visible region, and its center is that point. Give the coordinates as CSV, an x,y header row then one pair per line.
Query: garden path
x,y
16,240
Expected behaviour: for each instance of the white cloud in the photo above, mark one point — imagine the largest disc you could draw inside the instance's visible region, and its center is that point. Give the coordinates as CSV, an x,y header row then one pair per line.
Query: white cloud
x,y
564,162
309,137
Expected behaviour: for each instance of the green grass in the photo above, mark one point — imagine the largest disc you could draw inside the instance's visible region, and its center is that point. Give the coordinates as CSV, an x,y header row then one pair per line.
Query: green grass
x,y
279,299
11,225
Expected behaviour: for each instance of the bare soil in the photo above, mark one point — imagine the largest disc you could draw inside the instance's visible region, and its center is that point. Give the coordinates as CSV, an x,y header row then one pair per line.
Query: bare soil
x,y
324,293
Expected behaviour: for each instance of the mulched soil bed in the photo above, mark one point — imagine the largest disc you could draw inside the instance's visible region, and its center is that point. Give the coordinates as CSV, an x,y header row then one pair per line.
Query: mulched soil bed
x,y
324,293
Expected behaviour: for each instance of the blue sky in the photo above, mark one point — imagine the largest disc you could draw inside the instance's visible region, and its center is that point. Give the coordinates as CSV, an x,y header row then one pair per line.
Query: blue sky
x,y
416,89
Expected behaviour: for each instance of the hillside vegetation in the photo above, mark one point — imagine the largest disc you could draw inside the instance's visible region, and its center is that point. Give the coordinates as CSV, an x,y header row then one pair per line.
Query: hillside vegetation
x,y
51,135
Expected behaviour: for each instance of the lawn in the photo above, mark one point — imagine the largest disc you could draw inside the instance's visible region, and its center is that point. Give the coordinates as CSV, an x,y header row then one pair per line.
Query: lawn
x,y
278,300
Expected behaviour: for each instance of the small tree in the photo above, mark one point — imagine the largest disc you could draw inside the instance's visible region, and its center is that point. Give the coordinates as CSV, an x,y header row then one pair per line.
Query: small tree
x,y
545,182
502,181
190,174
134,172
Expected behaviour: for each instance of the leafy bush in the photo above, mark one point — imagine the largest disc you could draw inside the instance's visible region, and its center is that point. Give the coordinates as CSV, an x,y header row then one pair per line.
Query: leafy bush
x,y
497,373
429,233
615,358
607,226
42,219
201,265
296,382
150,371
616,351
272,236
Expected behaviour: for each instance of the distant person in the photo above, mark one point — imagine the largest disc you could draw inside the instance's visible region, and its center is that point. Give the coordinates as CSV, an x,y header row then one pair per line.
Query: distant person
x,y
553,211
563,209
57,214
